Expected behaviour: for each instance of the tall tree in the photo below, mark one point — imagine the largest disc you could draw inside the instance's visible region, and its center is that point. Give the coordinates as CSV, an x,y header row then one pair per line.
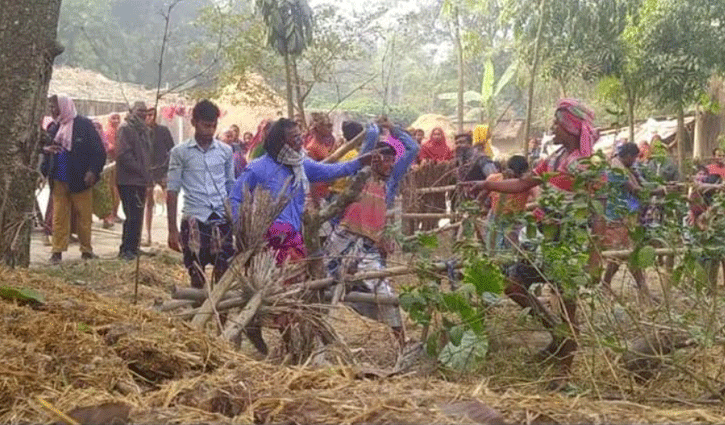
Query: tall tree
x,y
28,31
684,43
289,32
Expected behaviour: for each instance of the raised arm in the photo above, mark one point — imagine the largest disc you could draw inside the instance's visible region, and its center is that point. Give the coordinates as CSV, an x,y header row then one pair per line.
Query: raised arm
x,y
372,136
401,167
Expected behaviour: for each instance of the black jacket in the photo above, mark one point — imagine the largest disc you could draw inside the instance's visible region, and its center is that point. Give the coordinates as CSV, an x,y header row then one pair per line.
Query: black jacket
x,y
87,153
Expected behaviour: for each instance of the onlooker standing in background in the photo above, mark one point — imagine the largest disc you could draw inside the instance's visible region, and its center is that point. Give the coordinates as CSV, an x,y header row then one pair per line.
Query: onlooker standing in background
x,y
72,163
114,120
133,176
161,145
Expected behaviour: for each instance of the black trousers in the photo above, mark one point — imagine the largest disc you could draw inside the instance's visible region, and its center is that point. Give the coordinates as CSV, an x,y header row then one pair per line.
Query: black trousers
x,y
133,200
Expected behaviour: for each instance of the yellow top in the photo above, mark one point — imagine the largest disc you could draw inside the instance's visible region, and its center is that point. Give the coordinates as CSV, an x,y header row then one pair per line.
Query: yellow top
x,y
481,136
340,185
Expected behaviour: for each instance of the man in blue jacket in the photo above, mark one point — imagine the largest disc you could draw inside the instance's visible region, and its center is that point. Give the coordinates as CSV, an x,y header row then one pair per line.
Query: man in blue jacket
x,y
72,163
285,158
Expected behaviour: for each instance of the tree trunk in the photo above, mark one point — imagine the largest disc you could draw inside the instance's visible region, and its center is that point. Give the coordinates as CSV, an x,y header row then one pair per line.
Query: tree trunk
x,y
28,30
288,84
534,70
298,93
630,117
681,141
459,47
698,143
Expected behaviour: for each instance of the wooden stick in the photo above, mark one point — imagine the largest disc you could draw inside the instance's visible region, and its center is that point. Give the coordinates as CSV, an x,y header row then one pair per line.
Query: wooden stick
x,y
438,189
628,252
434,231
362,297
235,326
422,216
199,295
229,278
176,304
345,148
222,306
377,274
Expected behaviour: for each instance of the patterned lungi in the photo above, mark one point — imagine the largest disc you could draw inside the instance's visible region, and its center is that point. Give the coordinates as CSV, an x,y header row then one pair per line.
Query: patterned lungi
x,y
206,243
347,253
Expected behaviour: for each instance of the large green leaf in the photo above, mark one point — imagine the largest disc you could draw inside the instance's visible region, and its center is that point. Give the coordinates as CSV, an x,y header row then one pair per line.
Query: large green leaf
x,y
506,78
21,294
488,82
464,356
484,276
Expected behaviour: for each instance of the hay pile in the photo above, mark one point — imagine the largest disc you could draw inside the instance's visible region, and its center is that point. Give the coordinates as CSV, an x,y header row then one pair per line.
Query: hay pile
x,y
82,349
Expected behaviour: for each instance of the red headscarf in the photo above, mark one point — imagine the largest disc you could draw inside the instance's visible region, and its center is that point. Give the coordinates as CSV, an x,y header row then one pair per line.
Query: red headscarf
x,y
64,136
255,148
578,119
436,150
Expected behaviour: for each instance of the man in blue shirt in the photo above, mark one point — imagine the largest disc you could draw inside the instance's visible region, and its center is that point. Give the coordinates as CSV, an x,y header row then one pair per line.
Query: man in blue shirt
x,y
622,211
203,168
285,159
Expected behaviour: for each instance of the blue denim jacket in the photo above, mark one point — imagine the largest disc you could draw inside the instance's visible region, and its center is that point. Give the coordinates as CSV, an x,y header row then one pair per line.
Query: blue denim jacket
x,y
271,175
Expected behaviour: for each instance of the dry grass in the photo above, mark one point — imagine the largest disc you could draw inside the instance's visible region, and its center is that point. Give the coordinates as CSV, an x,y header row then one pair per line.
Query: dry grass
x,y
83,349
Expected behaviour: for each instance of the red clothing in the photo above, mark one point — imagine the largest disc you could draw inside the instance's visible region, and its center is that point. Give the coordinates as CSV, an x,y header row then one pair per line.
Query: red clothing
x,y
319,148
564,165
437,151
714,168
366,217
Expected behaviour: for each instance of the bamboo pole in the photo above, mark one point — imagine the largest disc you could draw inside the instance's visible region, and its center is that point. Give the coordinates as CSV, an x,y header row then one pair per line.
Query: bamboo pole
x,y
434,231
421,216
229,278
437,189
623,254
177,304
345,148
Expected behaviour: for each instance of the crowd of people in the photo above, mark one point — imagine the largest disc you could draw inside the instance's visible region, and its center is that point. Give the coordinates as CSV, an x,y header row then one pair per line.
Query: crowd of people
x,y
217,171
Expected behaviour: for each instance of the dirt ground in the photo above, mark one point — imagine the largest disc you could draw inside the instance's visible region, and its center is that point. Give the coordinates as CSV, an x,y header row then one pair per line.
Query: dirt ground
x,y
196,384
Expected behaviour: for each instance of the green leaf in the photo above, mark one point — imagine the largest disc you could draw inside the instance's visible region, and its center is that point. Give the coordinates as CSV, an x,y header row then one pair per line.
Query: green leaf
x,y
22,294
645,257
484,276
455,335
466,355
506,77
428,241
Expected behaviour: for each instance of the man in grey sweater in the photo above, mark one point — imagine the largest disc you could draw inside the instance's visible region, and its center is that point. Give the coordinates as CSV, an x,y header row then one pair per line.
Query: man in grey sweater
x,y
133,176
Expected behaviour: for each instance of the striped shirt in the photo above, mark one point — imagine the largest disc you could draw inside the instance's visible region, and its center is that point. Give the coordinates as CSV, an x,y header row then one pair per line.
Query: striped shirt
x,y
206,177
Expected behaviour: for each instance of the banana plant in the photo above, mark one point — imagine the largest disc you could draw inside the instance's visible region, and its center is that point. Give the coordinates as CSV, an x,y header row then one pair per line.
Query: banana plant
x,y
289,32
490,88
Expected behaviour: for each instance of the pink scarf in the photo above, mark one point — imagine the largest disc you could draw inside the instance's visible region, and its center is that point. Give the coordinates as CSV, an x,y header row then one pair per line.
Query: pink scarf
x,y
64,137
578,119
